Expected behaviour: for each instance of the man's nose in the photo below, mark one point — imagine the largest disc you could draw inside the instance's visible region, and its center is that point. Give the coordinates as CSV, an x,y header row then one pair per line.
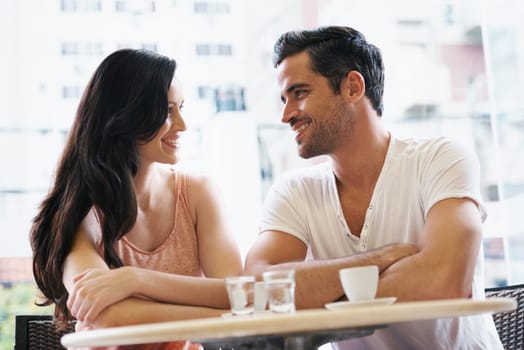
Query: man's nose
x,y
288,112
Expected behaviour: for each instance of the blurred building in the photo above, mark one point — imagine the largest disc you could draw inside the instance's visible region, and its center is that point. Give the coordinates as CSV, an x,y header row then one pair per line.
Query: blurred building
x,y
451,69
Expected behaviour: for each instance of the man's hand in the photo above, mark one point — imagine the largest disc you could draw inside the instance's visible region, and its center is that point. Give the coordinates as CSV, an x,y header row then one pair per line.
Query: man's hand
x,y
392,253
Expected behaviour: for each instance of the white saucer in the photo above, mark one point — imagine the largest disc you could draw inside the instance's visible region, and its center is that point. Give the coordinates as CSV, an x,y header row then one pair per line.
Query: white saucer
x,y
256,313
346,304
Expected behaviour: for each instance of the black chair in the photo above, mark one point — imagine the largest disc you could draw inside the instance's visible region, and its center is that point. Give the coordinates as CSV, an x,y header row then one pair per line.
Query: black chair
x,y
38,332
510,325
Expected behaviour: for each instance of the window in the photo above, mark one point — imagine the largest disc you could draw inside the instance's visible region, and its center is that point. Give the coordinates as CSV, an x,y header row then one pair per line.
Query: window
x,y
149,46
135,7
80,5
229,99
203,49
210,7
205,92
214,49
449,71
82,49
138,45
68,5
224,50
71,92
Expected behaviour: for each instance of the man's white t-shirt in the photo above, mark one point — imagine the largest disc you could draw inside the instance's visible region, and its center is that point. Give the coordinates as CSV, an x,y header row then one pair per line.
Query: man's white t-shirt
x,y
415,176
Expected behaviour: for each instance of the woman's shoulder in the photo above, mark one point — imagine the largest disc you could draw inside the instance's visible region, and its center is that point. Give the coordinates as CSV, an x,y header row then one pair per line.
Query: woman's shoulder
x,y
195,184
173,177
91,226
190,178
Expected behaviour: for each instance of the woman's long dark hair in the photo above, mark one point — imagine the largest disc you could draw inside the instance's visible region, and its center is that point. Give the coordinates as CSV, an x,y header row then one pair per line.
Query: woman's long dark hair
x,y
124,103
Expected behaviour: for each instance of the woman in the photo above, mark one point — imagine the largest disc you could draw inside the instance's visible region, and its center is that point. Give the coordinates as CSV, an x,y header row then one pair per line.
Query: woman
x,y
121,238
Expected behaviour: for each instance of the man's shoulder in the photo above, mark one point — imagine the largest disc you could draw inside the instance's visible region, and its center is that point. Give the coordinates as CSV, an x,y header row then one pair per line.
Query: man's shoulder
x,y
304,186
429,147
312,173
311,181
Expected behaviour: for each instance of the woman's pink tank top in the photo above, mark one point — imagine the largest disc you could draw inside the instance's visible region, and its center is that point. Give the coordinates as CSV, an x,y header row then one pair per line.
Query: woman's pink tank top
x,y
179,252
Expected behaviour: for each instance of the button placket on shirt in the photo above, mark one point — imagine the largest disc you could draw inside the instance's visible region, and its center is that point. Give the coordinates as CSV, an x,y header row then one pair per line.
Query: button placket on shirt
x,y
364,233
343,222
363,238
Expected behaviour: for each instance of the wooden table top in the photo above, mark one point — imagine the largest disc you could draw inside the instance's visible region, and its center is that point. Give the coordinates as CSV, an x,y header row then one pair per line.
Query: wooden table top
x,y
302,321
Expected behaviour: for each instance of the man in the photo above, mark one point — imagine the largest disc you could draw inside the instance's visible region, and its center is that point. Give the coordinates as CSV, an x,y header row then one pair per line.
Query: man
x,y
376,199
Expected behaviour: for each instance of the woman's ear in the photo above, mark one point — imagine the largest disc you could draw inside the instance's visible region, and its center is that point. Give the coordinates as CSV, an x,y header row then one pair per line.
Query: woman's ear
x,y
353,86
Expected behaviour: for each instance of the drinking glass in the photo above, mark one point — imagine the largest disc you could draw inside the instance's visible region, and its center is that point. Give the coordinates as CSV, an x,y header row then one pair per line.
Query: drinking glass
x,y
241,291
280,287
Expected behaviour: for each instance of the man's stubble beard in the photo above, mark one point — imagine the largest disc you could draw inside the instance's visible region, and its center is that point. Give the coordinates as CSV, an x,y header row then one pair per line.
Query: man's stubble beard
x,y
327,133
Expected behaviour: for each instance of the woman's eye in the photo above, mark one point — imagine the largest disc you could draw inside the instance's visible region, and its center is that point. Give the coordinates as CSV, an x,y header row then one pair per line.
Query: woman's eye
x,y
173,107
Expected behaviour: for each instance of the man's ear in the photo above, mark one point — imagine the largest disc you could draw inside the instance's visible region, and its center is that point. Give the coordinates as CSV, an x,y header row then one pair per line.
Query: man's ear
x,y
353,86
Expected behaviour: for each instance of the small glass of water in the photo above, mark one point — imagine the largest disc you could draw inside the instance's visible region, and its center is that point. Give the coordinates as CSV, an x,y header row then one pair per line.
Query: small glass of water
x,y
241,292
280,287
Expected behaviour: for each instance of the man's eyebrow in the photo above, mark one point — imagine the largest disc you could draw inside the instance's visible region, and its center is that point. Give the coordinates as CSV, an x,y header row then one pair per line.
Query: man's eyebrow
x,y
293,88
296,86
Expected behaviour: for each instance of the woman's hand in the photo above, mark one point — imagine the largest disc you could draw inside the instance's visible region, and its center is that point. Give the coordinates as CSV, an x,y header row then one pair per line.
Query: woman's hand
x,y
96,289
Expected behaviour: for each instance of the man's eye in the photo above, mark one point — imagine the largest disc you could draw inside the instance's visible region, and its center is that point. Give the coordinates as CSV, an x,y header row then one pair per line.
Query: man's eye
x,y
299,93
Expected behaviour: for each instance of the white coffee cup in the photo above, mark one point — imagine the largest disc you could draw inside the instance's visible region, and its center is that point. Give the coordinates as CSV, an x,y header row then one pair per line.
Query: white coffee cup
x,y
359,283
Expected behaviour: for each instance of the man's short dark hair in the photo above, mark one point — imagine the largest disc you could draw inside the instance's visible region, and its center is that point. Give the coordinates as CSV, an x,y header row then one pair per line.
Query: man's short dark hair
x,y
334,52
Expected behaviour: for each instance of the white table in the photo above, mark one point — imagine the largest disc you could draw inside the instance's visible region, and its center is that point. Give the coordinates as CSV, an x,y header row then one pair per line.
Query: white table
x,y
304,329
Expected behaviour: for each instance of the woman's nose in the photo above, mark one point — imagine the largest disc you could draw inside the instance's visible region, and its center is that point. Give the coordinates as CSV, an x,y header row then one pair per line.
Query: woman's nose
x,y
179,123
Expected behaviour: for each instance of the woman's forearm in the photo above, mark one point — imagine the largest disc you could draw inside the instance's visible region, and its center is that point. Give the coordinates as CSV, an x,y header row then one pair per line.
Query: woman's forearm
x,y
138,311
180,289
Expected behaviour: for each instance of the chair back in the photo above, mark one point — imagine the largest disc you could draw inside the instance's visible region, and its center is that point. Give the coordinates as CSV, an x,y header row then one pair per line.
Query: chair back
x,y
38,332
510,325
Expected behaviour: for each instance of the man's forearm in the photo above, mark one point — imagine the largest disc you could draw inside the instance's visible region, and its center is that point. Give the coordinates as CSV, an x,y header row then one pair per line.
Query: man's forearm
x,y
420,278
317,281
